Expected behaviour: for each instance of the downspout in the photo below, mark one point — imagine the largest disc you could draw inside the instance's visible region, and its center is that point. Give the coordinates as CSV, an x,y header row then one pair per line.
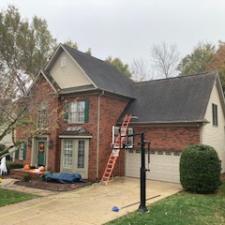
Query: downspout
x,y
98,133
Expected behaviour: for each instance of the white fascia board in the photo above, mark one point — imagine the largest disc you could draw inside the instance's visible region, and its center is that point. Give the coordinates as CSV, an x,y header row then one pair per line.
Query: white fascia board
x,y
73,136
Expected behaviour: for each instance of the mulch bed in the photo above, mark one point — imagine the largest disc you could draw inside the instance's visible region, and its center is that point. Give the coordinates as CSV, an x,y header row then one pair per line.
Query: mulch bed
x,y
51,186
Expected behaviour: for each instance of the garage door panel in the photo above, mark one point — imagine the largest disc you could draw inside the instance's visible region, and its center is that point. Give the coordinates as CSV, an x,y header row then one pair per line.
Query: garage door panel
x,y
162,167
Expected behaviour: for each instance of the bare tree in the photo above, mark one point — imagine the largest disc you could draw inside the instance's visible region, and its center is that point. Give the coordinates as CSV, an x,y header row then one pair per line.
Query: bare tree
x,y
139,70
165,59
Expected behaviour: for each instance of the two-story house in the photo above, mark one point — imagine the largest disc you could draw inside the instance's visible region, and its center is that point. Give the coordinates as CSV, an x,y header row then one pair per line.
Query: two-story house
x,y
77,99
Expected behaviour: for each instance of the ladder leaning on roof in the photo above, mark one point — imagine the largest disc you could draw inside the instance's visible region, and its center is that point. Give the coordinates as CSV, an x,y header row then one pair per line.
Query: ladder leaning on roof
x,y
119,141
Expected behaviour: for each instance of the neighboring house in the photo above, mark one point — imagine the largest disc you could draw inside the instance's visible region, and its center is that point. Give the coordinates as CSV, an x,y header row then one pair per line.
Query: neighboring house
x,y
77,99
7,140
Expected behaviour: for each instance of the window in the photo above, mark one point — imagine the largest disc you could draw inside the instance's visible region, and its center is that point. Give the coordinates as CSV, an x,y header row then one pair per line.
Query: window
x,y
76,112
129,142
67,153
215,115
42,118
81,154
21,153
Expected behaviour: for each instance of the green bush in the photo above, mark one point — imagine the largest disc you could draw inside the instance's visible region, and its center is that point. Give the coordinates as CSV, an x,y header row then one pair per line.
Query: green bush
x,y
26,177
200,169
13,165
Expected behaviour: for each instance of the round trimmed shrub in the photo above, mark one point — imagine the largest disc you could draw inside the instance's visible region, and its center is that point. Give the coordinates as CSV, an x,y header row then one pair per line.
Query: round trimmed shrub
x,y
200,169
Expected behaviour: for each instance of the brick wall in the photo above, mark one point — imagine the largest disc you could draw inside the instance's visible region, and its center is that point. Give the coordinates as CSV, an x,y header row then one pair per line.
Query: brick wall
x,y
111,108
90,126
170,137
41,92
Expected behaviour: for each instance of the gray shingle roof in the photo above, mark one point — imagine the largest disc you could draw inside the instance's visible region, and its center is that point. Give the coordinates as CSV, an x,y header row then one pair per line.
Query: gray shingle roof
x,y
105,76
181,99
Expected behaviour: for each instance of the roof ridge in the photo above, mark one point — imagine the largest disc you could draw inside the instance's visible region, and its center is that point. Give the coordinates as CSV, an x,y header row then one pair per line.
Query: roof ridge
x,y
210,73
83,53
95,58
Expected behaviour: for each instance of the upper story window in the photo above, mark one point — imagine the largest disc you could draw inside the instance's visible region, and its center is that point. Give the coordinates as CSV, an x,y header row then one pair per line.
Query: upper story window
x,y
42,122
214,115
21,151
76,112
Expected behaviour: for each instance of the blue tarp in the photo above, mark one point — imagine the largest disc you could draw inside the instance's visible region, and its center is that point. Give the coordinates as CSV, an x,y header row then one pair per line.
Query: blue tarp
x,y
63,177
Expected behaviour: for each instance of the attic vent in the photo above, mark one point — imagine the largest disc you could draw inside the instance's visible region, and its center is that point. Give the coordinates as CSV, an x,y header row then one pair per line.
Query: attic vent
x,y
62,61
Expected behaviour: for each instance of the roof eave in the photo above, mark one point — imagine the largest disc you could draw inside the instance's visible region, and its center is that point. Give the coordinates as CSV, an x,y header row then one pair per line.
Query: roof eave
x,y
94,89
78,91
171,122
37,78
221,94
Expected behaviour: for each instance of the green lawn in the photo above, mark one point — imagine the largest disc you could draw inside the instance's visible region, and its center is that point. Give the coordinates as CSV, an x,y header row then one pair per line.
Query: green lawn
x,y
182,209
9,197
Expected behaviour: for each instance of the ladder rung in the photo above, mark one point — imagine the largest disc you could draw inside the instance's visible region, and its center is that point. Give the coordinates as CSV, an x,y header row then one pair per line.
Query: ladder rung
x,y
112,158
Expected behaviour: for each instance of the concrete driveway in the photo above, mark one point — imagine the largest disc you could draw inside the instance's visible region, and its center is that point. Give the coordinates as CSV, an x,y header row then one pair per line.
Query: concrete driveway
x,y
86,206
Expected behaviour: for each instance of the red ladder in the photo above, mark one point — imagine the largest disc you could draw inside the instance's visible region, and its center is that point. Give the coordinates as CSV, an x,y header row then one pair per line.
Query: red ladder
x,y
116,149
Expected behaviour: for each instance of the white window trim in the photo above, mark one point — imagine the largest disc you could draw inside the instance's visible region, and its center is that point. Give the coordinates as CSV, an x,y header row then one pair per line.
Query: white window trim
x,y
70,121
74,136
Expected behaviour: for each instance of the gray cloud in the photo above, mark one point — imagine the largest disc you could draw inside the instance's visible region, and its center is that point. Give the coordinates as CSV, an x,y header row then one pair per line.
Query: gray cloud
x,y
128,28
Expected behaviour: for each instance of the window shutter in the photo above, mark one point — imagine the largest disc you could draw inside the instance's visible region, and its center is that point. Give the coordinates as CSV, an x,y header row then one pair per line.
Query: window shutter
x,y
17,153
86,112
66,112
24,149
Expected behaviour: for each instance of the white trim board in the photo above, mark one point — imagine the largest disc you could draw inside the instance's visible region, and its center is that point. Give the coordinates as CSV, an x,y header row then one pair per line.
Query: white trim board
x,y
74,136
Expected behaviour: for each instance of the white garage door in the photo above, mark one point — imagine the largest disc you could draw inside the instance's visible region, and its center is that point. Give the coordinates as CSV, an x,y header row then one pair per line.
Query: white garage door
x,y
163,166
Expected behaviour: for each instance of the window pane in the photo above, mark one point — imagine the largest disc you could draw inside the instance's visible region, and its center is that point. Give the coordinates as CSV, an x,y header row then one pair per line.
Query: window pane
x,y
42,119
21,152
77,112
81,154
67,153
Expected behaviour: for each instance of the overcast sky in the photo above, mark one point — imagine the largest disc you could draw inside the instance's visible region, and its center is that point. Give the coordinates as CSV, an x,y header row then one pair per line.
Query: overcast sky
x,y
128,28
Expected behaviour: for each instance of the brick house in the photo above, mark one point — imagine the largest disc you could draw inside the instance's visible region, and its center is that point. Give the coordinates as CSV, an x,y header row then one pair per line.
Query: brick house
x,y
77,100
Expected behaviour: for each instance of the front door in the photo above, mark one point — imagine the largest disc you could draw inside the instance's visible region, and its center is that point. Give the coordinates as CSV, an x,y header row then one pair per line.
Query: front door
x,y
41,149
74,156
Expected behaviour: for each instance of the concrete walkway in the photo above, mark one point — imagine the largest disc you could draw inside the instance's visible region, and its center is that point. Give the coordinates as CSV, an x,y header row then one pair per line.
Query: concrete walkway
x,y
90,205
9,184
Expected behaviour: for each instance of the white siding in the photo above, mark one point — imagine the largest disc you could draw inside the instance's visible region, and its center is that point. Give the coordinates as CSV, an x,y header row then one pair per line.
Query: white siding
x,y
67,74
7,140
214,135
